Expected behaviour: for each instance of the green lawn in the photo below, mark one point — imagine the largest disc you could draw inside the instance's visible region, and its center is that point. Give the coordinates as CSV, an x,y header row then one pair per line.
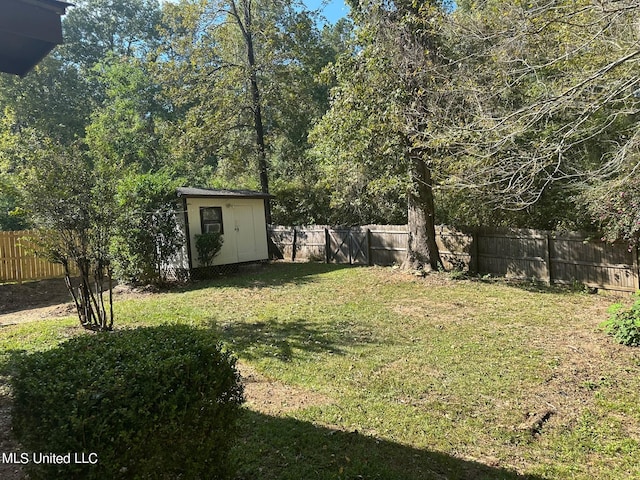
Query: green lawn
x,y
387,376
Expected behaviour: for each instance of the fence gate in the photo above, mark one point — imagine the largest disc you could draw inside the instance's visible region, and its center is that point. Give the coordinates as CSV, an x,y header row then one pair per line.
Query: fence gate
x,y
348,246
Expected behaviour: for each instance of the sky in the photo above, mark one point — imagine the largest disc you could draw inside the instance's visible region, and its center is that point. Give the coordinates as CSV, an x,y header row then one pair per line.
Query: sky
x,y
332,9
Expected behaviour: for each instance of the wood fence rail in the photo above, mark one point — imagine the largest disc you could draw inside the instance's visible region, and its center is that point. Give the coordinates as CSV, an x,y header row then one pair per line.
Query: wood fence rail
x,y
512,253
18,263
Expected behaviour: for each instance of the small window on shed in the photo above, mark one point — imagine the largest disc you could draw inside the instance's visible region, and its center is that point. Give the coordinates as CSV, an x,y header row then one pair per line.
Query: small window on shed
x,y
211,220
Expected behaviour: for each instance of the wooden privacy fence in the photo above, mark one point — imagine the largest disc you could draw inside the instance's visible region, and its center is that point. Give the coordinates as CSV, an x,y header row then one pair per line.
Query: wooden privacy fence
x,y
18,263
367,245
510,253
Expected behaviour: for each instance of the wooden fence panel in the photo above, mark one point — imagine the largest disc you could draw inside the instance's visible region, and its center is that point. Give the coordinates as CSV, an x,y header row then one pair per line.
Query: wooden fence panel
x,y
387,244
18,263
338,243
457,249
359,248
283,238
513,253
9,270
299,243
310,243
348,245
593,263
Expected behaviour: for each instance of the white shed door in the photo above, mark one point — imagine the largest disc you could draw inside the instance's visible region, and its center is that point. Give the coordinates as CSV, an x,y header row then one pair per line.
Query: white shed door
x,y
245,232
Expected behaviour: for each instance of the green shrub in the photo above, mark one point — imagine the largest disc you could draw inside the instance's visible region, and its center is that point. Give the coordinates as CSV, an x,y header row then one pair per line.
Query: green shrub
x,y
147,234
624,323
151,403
208,246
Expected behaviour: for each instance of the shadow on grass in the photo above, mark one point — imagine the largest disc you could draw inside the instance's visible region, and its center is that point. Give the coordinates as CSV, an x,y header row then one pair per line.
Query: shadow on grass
x,y
275,448
281,448
533,285
8,443
275,339
266,275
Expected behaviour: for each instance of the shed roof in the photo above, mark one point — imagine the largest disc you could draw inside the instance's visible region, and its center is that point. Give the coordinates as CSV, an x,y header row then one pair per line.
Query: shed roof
x,y
29,30
207,192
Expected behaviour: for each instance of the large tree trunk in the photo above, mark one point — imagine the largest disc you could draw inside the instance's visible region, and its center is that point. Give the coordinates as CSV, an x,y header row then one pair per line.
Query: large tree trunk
x,y
259,128
422,253
245,24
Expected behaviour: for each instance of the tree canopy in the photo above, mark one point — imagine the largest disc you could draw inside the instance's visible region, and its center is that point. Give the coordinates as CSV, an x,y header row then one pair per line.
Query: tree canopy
x,y
511,113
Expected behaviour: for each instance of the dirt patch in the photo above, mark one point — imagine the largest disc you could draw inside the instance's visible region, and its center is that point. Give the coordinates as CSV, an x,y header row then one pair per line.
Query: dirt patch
x,y
272,398
44,299
32,295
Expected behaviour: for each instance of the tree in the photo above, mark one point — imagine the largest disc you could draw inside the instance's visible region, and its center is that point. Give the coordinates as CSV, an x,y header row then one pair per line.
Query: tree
x,y
60,94
94,29
512,106
400,56
237,71
549,95
128,128
211,70
71,203
53,98
57,100
359,143
146,234
301,195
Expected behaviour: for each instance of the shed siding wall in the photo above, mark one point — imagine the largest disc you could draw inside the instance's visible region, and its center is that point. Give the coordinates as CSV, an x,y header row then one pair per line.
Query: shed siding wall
x,y
242,218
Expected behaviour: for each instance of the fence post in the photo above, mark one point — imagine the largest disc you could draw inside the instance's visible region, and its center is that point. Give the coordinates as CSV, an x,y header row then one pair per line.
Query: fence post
x,y
293,247
547,257
327,245
368,236
636,273
474,262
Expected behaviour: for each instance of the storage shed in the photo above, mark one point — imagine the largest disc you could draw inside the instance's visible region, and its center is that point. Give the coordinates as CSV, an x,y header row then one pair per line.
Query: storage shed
x,y
239,215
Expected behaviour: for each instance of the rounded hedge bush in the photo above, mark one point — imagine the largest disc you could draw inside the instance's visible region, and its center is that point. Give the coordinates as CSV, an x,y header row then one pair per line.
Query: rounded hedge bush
x,y
155,403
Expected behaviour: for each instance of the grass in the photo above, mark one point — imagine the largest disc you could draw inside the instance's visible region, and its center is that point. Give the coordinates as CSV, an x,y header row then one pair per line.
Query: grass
x,y
410,378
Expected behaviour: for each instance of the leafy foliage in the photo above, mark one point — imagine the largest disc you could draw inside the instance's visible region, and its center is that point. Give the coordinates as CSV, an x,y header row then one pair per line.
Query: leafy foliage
x,y
93,29
547,102
158,402
616,207
147,234
55,99
127,128
624,323
208,246
358,143
237,72
299,203
10,217
71,203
